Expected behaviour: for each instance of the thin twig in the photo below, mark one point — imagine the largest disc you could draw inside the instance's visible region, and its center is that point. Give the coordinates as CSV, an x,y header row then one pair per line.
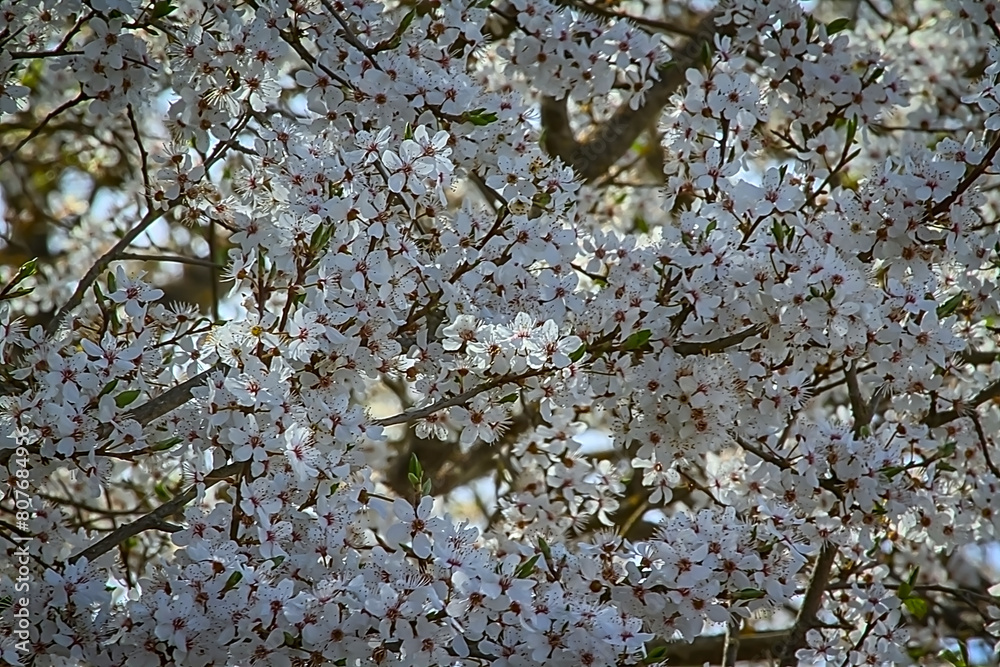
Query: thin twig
x,y
936,419
45,121
774,459
642,21
718,345
111,255
194,261
612,139
152,409
464,397
143,157
984,445
151,216
155,520
945,204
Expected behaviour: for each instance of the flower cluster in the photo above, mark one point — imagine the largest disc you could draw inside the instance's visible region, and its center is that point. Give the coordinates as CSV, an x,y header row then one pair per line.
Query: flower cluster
x,y
464,400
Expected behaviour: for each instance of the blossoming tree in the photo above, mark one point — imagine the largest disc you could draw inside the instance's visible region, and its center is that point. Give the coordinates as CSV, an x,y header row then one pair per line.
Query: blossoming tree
x,y
528,332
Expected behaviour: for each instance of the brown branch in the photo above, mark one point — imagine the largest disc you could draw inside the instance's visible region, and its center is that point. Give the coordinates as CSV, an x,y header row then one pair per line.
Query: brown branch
x,y
810,605
984,445
177,259
459,399
935,419
642,21
151,216
862,415
731,645
978,357
774,459
152,409
143,157
756,646
155,520
719,345
945,204
592,157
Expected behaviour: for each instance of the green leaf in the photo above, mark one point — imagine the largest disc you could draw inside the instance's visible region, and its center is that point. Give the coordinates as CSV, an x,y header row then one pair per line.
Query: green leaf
x,y
916,606
748,594
479,117
835,26
778,232
656,654
892,471
163,8
108,388
852,130
127,397
32,75
415,467
397,35
27,269
946,450
233,579
637,340
951,305
161,491
320,237
543,546
112,283
706,53
578,355
641,225
164,445
509,398
953,657
19,292
407,20
525,569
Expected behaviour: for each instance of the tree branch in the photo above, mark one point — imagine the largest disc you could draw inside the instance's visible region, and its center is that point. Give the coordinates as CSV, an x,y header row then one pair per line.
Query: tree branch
x,y
989,393
594,156
151,216
155,520
459,399
152,409
69,104
719,345
859,407
756,646
731,646
810,605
